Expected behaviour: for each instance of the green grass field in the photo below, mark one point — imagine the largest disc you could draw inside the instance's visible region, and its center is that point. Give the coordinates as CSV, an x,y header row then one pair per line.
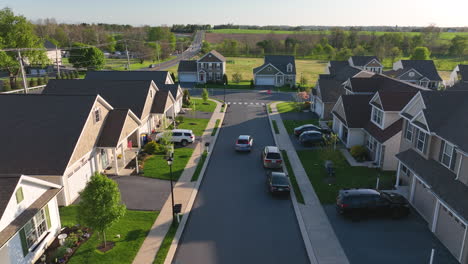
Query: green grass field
x,y
197,125
201,106
156,166
133,228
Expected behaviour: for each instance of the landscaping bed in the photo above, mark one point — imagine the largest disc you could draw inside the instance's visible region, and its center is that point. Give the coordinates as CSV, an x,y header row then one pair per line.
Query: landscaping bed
x,y
127,235
346,176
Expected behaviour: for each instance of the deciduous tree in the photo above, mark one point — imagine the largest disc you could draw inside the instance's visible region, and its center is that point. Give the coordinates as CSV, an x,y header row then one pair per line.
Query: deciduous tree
x,y
84,56
421,53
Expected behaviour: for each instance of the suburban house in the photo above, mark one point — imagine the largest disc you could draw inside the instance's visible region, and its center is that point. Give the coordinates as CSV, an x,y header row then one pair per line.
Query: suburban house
x,y
459,78
163,106
53,53
177,93
377,82
209,68
277,70
73,133
29,217
367,63
433,164
421,72
158,77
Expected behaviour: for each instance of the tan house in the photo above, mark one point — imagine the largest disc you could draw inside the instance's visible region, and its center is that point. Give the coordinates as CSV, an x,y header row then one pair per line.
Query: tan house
x,y
433,164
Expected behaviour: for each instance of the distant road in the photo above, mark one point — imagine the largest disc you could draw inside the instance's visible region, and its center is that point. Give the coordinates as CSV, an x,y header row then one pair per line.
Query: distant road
x,y
191,51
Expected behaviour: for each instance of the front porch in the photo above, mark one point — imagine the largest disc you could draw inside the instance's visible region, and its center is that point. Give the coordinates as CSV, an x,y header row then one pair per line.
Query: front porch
x,y
124,164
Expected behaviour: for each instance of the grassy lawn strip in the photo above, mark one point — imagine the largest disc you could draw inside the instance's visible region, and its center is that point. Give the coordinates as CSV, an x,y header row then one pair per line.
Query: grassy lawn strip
x,y
291,124
201,106
289,107
292,177
166,244
215,127
156,166
346,176
133,228
269,108
196,174
275,126
241,85
197,125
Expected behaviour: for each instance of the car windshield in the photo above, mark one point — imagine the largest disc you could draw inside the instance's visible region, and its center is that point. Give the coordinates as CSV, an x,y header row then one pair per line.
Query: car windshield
x,y
242,141
273,155
279,180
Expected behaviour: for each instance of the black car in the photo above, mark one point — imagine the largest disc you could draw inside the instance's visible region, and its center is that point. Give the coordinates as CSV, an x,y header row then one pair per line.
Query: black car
x,y
278,182
362,202
309,127
311,138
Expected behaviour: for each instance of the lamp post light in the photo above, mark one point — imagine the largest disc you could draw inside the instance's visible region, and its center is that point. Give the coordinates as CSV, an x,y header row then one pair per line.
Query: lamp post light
x,y
169,162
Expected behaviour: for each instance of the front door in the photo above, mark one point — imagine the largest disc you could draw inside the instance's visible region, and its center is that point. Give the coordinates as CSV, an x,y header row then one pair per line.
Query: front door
x,y
344,134
202,77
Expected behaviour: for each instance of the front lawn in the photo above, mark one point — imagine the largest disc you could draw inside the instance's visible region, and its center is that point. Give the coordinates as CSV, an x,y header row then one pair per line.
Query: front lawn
x,y
156,166
346,176
290,107
201,106
132,228
291,124
197,125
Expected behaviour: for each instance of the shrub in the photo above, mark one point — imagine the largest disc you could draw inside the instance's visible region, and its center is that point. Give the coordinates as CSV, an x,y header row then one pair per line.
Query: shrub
x,y
40,81
32,83
19,85
205,95
237,77
359,153
179,119
46,79
252,85
6,85
186,99
150,147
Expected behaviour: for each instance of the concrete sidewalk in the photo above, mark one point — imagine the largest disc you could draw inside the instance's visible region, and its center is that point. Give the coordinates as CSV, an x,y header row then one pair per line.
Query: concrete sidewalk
x,y
325,247
182,193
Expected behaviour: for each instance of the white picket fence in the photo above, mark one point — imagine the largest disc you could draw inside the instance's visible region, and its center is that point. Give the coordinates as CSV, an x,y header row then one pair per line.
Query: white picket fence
x,y
20,91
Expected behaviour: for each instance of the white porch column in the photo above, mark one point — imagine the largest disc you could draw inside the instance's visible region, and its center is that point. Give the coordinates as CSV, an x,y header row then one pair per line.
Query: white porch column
x,y
436,216
138,138
398,175
116,164
413,186
123,153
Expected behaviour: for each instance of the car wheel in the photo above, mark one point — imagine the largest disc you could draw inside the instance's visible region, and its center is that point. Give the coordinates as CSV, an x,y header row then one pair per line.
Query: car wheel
x,y
184,142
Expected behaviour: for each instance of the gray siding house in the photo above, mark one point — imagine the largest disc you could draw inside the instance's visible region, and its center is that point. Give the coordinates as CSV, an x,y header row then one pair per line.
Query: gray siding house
x,y
277,70
420,72
209,68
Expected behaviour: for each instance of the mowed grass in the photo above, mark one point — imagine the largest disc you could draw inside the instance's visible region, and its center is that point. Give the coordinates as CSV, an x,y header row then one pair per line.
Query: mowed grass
x,y
346,176
132,228
291,124
156,166
201,106
289,107
197,125
166,244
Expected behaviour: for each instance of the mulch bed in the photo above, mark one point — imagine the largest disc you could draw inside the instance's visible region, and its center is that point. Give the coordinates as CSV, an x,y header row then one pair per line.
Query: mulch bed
x,y
109,245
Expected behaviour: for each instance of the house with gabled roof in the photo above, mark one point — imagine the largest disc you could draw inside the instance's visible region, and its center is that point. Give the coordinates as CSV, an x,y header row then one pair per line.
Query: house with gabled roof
x,y
209,68
433,164
421,72
368,63
375,83
29,217
277,71
458,78
69,129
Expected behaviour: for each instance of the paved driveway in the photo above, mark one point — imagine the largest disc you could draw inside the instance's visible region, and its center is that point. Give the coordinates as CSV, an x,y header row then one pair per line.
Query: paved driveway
x,y
234,219
382,240
141,193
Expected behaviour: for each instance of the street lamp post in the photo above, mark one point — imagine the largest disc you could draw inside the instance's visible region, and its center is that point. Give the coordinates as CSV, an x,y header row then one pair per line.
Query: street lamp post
x,y
169,162
224,92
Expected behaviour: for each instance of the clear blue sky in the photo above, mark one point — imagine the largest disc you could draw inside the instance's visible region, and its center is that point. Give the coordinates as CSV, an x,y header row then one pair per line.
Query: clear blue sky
x,y
249,12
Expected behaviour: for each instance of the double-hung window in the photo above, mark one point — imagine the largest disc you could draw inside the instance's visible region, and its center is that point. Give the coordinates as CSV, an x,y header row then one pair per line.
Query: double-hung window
x,y
447,152
421,141
377,116
409,131
35,228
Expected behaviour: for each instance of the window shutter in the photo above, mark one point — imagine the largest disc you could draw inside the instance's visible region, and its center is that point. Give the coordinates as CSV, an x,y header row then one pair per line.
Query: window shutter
x,y
441,152
454,159
47,214
24,244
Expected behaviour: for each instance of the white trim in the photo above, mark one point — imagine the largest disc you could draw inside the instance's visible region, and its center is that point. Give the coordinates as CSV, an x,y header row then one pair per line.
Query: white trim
x,y
463,244
415,97
421,113
411,69
436,216
210,52
459,166
413,186
263,67
443,153
398,175
381,126
39,181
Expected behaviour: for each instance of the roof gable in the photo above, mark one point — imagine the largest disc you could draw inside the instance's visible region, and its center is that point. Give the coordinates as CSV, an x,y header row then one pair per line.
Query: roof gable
x,y
116,124
426,68
268,69
212,56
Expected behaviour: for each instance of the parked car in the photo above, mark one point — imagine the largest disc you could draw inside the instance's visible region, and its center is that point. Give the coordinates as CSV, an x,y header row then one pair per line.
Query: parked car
x,y
182,136
271,157
309,127
362,202
311,138
244,143
278,182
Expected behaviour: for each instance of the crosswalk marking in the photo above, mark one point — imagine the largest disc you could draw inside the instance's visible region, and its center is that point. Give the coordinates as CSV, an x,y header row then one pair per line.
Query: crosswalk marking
x,y
245,103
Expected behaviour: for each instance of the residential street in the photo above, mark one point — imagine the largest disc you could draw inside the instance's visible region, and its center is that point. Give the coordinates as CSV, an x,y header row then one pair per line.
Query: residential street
x,y
234,218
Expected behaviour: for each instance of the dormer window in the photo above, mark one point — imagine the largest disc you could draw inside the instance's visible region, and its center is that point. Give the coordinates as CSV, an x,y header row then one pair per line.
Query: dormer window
x,y
97,114
269,69
377,116
289,68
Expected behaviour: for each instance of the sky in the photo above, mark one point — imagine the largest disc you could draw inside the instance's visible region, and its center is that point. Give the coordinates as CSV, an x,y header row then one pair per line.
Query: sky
x,y
443,13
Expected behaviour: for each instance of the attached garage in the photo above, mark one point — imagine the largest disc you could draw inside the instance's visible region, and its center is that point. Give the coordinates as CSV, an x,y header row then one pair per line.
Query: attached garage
x,y
450,230
187,77
264,80
318,108
423,200
77,181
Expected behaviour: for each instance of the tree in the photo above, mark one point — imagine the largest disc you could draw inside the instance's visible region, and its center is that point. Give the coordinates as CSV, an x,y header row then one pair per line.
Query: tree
x,y
344,54
421,53
84,56
318,49
205,95
458,46
359,51
225,79
303,80
6,86
237,77
329,50
100,205
395,53
206,47
186,98
17,32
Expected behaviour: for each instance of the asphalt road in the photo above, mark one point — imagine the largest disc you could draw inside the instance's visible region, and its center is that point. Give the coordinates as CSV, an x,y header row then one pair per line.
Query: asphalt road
x,y
234,218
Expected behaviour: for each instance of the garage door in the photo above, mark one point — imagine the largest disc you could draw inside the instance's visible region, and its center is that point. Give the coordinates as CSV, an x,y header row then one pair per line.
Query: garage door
x,y
424,201
450,230
77,182
187,77
263,80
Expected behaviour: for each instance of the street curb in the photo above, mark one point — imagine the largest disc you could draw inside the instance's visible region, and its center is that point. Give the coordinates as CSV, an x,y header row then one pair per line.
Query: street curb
x,y
305,236
180,230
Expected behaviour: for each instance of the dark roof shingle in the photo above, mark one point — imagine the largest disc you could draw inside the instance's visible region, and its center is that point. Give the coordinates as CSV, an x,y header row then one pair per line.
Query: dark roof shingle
x,y
112,128
362,60
187,66
357,109
8,185
385,134
395,101
330,90
156,76
426,67
280,62
159,103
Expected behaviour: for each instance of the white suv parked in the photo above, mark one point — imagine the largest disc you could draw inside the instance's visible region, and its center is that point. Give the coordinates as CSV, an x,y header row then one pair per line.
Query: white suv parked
x,y
182,136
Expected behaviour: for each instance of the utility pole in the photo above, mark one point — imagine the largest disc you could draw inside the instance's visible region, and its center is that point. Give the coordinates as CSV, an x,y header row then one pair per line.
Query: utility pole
x,y
25,82
128,58
56,61
157,50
